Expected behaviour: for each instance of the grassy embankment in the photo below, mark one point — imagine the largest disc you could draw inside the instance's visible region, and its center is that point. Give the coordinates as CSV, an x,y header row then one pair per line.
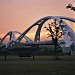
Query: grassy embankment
x,y
37,69
37,58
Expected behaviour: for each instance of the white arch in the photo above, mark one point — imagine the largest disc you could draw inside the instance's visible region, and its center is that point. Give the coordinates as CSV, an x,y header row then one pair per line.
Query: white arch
x,y
68,32
13,38
43,20
27,38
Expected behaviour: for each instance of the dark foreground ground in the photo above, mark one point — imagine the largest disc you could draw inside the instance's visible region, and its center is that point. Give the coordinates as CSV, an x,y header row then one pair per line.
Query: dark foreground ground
x,y
41,66
38,62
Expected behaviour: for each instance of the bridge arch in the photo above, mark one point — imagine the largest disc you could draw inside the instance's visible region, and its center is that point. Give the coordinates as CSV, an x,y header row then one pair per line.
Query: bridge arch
x,y
12,37
8,34
59,19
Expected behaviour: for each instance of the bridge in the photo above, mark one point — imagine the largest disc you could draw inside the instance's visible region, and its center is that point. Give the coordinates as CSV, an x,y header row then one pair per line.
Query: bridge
x,y
69,35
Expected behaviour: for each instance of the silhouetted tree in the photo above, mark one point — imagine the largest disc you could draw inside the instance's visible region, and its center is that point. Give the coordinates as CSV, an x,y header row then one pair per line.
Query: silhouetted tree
x,y
71,7
55,32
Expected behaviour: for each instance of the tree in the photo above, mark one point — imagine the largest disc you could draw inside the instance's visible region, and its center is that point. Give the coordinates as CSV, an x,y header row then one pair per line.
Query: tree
x,y
71,7
55,32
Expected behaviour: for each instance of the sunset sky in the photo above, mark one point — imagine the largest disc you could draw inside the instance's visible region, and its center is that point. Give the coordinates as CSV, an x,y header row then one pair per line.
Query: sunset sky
x,y
18,15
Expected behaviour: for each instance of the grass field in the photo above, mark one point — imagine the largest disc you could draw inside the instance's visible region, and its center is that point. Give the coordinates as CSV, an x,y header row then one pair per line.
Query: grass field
x,y
37,69
37,58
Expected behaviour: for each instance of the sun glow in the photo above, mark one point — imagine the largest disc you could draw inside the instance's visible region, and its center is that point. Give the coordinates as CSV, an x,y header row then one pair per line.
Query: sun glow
x,y
20,14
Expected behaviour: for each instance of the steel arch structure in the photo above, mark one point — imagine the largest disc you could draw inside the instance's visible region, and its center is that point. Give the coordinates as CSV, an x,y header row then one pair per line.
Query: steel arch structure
x,y
60,20
14,43
12,36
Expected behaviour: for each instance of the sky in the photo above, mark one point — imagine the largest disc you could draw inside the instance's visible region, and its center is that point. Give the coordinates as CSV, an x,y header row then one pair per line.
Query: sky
x,y
18,15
